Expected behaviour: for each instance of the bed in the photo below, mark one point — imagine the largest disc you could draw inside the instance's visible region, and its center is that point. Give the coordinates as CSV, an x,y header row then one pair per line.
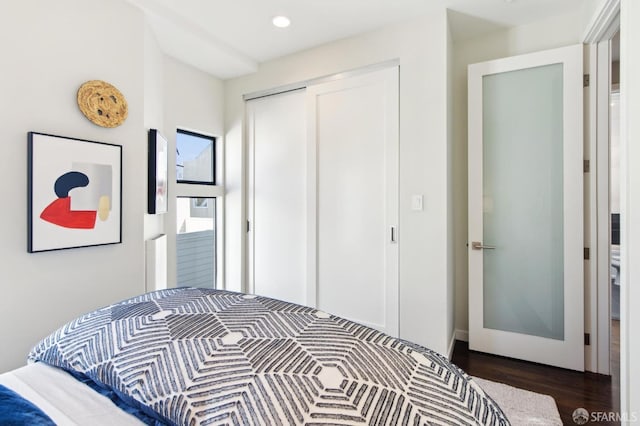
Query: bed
x,y
189,356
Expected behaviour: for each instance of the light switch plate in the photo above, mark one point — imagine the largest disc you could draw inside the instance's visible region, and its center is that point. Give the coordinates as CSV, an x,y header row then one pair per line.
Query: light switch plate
x,y
417,202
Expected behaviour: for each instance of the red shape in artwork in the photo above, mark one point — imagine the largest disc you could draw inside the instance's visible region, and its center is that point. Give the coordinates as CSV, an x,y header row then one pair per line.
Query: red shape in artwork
x,y
59,213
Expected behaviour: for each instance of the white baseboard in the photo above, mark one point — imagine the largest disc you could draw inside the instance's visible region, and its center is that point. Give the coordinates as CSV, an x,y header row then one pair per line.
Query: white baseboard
x,y
462,335
452,344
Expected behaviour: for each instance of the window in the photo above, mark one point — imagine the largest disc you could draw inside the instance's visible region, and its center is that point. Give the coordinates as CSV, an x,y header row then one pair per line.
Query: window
x,y
195,158
198,202
196,242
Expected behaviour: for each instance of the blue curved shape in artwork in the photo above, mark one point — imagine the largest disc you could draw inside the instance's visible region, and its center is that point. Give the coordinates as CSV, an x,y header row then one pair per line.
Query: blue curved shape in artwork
x,y
68,181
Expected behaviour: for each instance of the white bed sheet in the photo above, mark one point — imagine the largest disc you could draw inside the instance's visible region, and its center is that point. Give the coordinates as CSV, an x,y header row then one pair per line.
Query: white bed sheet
x,y
64,399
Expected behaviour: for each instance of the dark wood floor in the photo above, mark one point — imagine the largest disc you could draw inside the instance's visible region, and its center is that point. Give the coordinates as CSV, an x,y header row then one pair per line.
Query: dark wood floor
x,y
571,390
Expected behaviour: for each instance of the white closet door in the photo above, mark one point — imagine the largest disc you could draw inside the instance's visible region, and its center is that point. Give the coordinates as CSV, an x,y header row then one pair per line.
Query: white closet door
x,y
353,197
276,134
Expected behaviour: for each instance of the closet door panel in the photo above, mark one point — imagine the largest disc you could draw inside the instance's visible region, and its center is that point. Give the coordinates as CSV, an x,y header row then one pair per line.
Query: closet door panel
x,y
354,133
277,196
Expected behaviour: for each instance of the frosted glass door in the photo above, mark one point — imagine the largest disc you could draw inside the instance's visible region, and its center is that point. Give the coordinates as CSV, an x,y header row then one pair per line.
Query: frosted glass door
x,y
525,207
522,206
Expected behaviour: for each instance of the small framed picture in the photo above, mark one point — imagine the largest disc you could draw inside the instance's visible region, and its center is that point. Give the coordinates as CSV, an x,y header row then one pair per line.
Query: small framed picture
x,y
158,179
74,193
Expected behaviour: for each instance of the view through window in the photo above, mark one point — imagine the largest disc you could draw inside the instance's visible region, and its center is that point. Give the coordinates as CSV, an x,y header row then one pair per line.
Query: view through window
x,y
196,205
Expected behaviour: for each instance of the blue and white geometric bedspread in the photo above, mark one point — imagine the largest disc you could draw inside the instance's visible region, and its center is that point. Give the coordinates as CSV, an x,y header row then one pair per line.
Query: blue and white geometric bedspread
x,y
197,356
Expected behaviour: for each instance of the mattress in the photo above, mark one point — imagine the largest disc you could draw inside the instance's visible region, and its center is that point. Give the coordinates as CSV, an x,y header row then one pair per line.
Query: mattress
x,y
191,356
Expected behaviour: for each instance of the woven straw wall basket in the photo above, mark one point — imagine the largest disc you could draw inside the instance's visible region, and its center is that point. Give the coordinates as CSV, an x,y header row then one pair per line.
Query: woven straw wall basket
x,y
102,103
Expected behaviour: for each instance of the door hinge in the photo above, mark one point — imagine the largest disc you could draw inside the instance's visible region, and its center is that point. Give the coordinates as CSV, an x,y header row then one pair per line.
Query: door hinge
x,y
585,80
586,166
587,254
587,339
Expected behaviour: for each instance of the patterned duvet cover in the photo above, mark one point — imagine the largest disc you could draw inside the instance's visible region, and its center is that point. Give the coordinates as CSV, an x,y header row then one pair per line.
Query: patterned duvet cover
x,y
191,356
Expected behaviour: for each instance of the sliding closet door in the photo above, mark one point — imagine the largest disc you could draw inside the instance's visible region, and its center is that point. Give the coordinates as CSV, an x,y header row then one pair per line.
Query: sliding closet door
x,y
276,135
353,188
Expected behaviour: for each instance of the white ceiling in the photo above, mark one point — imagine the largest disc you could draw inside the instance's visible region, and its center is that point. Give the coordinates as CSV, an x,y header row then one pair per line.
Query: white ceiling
x,y
229,38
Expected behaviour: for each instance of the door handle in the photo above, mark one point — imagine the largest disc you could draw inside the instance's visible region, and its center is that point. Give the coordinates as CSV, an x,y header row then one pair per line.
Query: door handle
x,y
394,235
477,245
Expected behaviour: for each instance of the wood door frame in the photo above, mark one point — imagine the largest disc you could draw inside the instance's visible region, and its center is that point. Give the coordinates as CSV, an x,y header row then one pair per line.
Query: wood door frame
x,y
597,279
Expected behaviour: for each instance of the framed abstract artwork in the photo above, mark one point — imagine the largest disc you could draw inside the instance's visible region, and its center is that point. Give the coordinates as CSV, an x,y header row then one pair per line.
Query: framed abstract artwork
x,y
158,179
74,193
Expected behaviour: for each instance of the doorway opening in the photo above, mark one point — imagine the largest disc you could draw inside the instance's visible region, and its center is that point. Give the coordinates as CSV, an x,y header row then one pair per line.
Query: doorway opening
x,y
614,205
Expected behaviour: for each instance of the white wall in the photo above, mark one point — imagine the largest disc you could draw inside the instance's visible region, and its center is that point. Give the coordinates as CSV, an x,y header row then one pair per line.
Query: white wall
x,y
177,96
550,33
421,47
61,45
49,49
451,191
630,207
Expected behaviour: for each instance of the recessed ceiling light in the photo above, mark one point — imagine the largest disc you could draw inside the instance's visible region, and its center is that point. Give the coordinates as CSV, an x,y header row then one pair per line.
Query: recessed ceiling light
x,y
281,21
